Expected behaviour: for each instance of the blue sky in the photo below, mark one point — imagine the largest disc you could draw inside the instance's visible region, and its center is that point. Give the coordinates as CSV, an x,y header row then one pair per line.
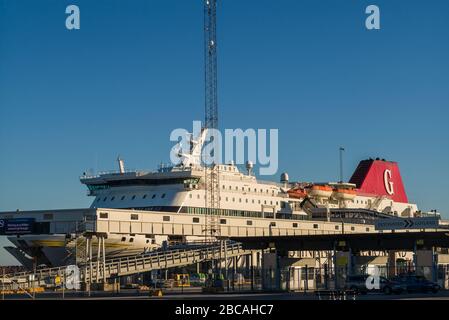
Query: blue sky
x,y
74,100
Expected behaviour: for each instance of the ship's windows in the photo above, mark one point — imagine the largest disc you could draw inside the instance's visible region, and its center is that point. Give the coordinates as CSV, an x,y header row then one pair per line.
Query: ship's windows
x,y
261,190
233,199
272,224
103,215
48,216
134,216
337,227
249,223
166,218
196,220
243,188
255,190
144,196
154,196
271,202
197,196
131,239
236,188
227,198
112,199
105,199
258,201
224,187
277,203
352,228
163,195
315,226
367,229
222,221
265,202
246,200
295,225
282,204
240,199
133,197
253,200
149,236
123,198
132,234
123,238
148,241
230,187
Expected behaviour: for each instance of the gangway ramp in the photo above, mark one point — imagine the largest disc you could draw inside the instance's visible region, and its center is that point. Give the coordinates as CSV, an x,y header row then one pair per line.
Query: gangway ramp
x,y
97,271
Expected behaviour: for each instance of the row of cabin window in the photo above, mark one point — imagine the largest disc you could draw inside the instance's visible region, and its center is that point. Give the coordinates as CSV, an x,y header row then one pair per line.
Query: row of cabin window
x,y
226,212
247,189
153,241
361,201
132,198
240,199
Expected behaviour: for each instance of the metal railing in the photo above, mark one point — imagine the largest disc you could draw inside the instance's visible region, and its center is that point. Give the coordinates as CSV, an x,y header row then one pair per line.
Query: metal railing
x,y
133,264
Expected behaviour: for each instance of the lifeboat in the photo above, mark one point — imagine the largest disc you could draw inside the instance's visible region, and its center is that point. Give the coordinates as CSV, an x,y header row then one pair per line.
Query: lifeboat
x,y
297,193
344,194
318,191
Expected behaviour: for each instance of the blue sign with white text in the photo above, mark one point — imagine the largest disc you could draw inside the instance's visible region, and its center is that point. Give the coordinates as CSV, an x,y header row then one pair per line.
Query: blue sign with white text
x,y
16,226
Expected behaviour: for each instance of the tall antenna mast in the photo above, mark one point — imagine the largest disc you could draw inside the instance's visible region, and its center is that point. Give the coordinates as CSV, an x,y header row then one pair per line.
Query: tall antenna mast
x,y
210,63
211,173
341,164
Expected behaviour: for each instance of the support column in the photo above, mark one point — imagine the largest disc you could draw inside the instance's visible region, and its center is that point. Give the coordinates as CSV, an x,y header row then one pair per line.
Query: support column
x,y
104,259
277,271
98,260
391,264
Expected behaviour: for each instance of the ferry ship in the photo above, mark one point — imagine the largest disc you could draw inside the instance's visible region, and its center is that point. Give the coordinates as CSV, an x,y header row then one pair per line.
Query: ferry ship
x,y
375,190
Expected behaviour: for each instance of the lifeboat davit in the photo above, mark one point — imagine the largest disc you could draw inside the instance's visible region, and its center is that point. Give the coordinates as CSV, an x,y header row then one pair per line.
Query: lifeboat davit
x,y
344,194
318,191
